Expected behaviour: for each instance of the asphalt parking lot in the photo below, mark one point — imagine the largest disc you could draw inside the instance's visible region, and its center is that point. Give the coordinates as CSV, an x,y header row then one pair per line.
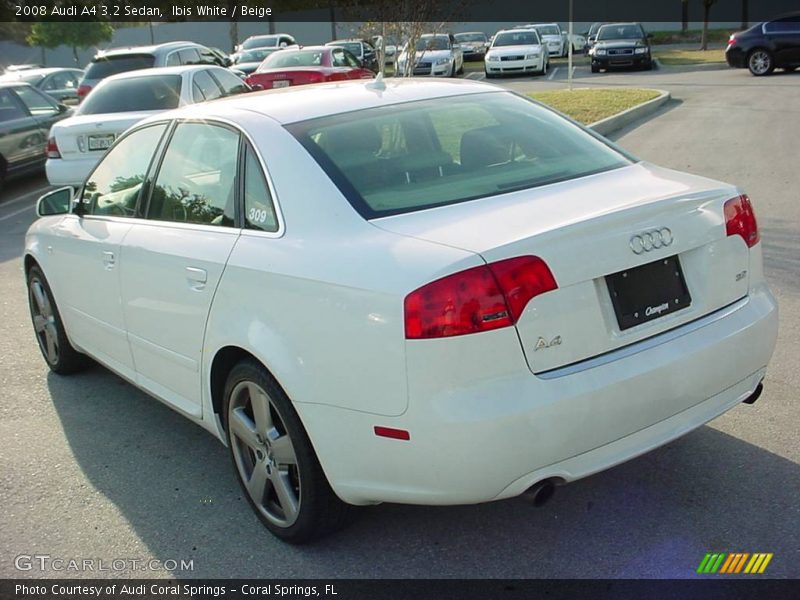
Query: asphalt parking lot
x,y
92,468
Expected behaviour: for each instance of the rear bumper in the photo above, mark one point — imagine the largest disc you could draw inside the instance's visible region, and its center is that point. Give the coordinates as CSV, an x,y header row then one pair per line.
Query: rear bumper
x,y
482,427
736,58
70,172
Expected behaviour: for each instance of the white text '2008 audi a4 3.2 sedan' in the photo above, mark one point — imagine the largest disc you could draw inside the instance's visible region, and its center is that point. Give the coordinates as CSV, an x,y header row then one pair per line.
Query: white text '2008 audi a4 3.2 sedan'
x,y
430,292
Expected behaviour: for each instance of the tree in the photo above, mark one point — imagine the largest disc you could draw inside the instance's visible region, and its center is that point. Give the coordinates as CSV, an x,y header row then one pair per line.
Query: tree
x,y
684,16
77,34
707,4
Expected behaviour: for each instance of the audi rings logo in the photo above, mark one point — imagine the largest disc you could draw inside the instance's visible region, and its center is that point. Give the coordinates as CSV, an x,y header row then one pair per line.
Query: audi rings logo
x,y
651,240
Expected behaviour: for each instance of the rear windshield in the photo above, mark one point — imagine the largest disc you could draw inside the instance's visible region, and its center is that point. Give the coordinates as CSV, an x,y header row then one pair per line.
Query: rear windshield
x,y
417,155
100,68
516,38
156,92
259,42
292,58
352,47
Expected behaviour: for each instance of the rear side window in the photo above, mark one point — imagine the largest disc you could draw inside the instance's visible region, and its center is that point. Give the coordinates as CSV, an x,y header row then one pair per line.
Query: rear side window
x,y
38,104
152,92
100,68
196,182
259,211
417,155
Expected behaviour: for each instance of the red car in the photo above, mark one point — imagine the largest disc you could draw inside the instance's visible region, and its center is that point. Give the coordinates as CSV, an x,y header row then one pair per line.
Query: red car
x,y
312,64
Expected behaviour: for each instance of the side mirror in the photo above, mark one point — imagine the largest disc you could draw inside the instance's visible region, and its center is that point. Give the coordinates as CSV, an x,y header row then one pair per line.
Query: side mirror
x,y
56,202
62,108
283,44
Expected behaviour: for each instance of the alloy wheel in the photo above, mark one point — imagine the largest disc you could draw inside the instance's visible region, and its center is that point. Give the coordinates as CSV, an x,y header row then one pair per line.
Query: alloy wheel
x,y
264,454
760,62
44,321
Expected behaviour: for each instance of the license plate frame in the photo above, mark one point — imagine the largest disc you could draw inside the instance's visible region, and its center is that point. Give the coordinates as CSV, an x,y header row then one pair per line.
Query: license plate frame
x,y
281,83
648,292
100,142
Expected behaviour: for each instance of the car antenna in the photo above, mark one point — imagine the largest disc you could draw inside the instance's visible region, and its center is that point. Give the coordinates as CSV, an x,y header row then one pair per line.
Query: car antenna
x,y
378,83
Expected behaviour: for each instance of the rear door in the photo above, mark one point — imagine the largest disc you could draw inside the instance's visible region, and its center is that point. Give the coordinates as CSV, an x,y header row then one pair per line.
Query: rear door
x,y
785,36
173,260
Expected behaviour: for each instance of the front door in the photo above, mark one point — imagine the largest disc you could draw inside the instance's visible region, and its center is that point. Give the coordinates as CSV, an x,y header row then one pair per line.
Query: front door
x,y
86,250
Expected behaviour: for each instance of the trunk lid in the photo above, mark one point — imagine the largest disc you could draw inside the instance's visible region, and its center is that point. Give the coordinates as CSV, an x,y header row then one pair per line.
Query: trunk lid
x,y
83,136
584,229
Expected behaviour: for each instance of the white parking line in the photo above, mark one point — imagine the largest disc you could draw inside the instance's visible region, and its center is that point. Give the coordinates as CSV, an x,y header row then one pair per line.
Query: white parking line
x,y
475,76
24,197
17,212
552,74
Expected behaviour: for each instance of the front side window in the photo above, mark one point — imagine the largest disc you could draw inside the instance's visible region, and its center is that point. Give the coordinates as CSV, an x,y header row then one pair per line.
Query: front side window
x,y
113,187
418,155
230,83
208,87
196,182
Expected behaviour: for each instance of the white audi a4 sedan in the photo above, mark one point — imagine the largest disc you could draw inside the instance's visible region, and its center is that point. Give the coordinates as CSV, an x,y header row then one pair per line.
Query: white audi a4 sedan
x,y
430,292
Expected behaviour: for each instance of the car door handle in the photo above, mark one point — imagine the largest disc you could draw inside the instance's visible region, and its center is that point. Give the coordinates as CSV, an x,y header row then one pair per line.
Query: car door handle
x,y
197,278
109,261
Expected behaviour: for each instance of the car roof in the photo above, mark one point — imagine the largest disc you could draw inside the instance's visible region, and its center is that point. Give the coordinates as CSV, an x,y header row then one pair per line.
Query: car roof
x,y
8,84
154,49
179,70
43,71
291,105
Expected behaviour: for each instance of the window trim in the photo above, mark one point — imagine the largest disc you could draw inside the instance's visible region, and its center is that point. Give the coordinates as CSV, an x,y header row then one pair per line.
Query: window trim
x,y
145,184
155,163
161,152
245,144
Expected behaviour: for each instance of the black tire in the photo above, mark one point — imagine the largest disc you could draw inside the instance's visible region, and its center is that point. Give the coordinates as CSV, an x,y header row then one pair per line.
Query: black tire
x,y
488,75
648,66
312,509
595,69
48,328
461,70
760,62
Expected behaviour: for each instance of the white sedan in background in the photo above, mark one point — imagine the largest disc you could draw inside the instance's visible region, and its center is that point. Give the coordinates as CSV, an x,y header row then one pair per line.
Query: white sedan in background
x,y
489,300
118,102
516,52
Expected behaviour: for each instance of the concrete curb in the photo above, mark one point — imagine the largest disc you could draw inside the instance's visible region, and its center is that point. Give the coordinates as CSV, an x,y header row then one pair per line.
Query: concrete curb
x,y
625,118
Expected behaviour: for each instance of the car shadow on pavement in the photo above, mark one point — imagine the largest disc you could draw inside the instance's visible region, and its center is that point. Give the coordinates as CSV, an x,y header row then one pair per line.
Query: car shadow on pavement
x,y
781,241
654,516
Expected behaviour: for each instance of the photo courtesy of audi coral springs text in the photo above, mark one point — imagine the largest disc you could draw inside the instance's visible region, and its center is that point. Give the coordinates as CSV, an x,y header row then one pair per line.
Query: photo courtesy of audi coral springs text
x,y
417,291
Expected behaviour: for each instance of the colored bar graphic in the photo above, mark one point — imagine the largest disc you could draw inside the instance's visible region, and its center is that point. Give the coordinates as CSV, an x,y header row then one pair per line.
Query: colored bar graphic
x,y
703,563
741,562
767,558
732,558
725,563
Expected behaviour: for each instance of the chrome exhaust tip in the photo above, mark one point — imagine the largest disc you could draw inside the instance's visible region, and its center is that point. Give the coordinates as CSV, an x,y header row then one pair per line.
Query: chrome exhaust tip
x,y
539,493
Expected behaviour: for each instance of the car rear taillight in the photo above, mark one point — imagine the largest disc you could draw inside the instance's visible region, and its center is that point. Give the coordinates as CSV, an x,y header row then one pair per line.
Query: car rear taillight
x,y
740,219
52,149
477,299
83,90
732,40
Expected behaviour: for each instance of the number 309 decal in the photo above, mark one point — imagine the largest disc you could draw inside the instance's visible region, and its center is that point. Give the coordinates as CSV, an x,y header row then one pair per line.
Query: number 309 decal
x,y
257,215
